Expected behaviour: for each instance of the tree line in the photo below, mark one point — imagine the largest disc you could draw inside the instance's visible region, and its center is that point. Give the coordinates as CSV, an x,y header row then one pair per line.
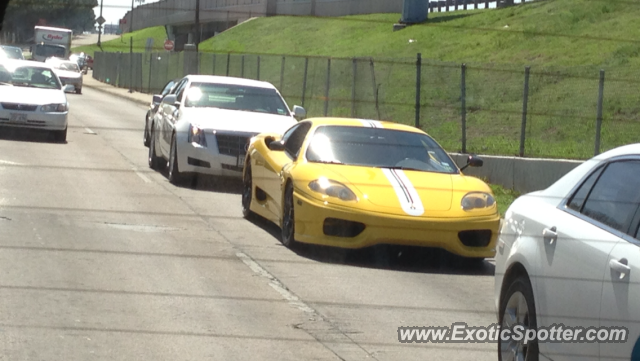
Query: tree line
x,y
20,16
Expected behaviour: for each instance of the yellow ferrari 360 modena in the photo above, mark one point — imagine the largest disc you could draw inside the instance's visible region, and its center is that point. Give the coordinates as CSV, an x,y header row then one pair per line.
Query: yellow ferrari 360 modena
x,y
356,183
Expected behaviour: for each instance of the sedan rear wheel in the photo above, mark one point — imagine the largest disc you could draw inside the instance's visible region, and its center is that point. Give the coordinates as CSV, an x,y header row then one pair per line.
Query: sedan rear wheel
x,y
517,308
288,218
247,190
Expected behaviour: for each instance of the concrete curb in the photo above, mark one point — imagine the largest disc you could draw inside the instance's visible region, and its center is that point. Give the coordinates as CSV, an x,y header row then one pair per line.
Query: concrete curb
x,y
117,94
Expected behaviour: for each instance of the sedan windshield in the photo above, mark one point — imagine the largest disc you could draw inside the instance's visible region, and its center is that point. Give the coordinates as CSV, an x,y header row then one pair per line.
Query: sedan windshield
x,y
27,76
13,52
236,97
376,147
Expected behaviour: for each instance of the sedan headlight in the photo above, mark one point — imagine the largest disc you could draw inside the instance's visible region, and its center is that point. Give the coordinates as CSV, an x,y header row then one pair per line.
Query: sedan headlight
x,y
477,200
196,135
54,108
332,188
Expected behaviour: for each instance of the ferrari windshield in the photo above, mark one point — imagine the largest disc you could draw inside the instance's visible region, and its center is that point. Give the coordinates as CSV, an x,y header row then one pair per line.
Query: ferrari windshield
x,y
377,147
27,76
236,97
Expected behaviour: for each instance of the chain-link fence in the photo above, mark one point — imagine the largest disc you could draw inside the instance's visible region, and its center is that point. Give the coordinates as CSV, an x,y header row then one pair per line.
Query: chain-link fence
x,y
474,108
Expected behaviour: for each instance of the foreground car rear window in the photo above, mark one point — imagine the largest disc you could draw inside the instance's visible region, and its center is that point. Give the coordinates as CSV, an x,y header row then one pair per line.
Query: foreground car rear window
x,y
375,147
235,97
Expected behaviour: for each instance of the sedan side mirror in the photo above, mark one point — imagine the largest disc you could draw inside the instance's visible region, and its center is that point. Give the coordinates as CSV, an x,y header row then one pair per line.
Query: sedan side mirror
x,y
473,161
299,112
157,99
68,88
169,99
276,145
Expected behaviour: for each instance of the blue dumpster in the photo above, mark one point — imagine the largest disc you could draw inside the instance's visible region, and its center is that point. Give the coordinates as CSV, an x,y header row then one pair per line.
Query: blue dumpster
x,y
414,11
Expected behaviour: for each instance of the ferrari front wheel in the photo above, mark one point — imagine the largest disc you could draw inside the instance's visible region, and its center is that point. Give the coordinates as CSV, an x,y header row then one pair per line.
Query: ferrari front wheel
x,y
288,218
247,190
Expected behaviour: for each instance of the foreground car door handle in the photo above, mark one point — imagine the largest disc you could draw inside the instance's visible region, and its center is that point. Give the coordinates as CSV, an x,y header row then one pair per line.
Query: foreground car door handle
x,y
550,234
620,266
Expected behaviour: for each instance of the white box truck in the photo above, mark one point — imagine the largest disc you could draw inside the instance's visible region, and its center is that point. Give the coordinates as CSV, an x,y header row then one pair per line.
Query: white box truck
x,y
50,42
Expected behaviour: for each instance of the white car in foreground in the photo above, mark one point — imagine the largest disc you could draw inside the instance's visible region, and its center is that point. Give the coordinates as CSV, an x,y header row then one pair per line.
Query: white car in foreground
x,y
205,123
32,96
570,255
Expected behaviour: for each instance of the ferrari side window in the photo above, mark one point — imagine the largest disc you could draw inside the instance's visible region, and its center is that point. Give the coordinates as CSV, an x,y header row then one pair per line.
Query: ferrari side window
x,y
294,142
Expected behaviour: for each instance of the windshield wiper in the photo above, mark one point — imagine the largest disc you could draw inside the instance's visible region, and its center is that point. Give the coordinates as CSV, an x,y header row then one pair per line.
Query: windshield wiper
x,y
327,161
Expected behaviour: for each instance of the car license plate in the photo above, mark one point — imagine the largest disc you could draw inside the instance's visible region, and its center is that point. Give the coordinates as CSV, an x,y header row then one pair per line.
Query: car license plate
x,y
17,118
240,161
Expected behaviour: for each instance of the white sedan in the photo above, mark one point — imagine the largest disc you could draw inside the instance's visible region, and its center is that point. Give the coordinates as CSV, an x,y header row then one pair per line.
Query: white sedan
x,y
205,123
32,96
570,255
68,71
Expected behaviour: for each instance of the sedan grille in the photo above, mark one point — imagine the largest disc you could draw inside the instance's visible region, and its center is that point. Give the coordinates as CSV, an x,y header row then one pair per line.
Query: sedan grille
x,y
22,107
233,144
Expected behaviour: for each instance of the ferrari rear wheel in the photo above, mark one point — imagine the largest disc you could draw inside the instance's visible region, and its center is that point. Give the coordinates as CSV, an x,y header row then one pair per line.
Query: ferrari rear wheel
x,y
247,190
288,218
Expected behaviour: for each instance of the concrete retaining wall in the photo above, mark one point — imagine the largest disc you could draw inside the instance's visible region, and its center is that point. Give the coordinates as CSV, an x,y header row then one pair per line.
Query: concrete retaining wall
x,y
521,174
337,7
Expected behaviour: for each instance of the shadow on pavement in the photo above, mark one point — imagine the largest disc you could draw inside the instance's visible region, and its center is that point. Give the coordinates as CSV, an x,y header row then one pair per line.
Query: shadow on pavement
x,y
206,183
387,257
27,135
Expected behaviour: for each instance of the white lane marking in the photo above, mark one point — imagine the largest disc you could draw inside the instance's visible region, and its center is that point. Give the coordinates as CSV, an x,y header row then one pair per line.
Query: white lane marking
x,y
89,131
142,176
405,191
8,162
275,283
371,123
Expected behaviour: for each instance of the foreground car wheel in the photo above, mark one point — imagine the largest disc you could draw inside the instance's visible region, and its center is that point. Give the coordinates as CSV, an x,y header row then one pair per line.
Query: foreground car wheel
x,y
247,191
517,307
155,162
60,136
146,138
79,91
175,177
288,218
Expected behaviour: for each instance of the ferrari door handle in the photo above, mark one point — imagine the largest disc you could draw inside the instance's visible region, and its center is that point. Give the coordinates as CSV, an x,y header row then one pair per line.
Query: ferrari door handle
x,y
620,266
550,234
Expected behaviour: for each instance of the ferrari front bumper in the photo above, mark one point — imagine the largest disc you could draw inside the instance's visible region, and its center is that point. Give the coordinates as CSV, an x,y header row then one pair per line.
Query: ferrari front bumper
x,y
380,228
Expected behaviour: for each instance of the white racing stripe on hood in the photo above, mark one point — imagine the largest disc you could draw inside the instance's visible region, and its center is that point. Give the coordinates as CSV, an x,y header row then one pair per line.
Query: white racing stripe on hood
x,y
407,195
371,123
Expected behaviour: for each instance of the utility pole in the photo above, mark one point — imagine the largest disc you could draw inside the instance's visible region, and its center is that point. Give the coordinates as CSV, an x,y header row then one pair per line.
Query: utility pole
x,y
197,29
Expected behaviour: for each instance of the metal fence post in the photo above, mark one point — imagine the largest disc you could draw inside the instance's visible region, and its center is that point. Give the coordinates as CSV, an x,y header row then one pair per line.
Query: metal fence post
x,y
304,80
228,61
150,71
131,63
375,86
282,74
463,105
353,88
525,102
418,80
327,87
599,119
258,76
242,67
213,67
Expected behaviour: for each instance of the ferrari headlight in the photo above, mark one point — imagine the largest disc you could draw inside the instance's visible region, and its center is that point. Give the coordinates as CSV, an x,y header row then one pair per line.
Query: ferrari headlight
x,y
196,135
332,188
477,200
54,108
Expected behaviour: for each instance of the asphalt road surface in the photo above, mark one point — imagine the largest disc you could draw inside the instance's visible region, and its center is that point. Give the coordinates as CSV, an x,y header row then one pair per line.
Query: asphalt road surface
x,y
103,259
